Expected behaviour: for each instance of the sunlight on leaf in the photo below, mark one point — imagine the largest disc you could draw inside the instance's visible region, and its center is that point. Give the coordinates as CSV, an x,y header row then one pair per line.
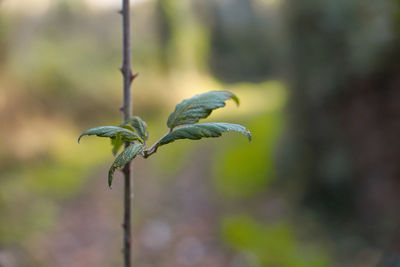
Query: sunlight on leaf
x,y
198,107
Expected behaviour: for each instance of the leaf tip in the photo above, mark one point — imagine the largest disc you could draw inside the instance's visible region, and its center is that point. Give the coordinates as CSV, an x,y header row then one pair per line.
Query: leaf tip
x,y
111,176
235,99
249,136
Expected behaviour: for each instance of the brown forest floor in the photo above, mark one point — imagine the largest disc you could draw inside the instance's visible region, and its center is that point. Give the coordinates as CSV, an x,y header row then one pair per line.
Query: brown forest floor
x,y
176,222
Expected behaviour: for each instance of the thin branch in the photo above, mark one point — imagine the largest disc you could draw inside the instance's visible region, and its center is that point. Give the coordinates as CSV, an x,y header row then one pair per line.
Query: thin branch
x,y
153,149
128,77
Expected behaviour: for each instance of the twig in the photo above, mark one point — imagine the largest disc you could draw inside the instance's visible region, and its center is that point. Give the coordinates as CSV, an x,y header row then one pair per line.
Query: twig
x,y
153,149
128,77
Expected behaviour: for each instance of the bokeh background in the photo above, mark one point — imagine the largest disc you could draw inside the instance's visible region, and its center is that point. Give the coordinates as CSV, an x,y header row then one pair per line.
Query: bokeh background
x,y
319,87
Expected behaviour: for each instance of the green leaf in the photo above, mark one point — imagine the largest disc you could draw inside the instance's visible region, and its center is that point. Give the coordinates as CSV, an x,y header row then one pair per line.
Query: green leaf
x,y
203,130
125,157
198,107
130,128
140,127
116,142
112,132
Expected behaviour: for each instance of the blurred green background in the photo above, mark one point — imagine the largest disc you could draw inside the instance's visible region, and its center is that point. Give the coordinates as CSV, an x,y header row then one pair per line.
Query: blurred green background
x,y
319,87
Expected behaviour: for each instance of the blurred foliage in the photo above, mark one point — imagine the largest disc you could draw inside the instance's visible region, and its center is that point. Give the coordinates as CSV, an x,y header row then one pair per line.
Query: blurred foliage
x,y
268,245
334,49
4,31
339,143
43,184
244,169
242,40
184,39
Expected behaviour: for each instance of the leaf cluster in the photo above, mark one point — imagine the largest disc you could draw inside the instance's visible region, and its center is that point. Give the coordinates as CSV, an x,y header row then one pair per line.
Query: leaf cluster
x,y
182,124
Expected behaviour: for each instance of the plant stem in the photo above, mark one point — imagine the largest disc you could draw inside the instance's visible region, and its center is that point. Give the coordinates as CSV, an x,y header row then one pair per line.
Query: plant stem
x,y
153,149
128,77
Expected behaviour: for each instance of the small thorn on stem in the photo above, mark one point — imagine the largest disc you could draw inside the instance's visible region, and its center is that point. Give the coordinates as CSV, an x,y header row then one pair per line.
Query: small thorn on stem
x,y
121,109
120,12
133,76
122,70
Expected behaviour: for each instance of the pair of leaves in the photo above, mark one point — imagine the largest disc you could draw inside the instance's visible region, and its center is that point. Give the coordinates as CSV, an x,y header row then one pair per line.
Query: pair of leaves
x,y
133,130
191,110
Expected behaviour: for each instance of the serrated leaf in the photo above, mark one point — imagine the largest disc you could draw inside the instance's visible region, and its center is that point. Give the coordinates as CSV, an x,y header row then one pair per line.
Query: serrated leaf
x,y
140,127
112,131
125,157
198,107
203,130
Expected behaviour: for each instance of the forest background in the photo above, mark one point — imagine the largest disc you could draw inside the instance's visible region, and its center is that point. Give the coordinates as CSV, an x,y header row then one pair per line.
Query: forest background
x,y
319,87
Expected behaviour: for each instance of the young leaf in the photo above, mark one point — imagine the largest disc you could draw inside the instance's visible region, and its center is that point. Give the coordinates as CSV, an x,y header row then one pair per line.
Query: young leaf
x,y
140,127
198,107
112,132
203,130
125,157
116,142
128,127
